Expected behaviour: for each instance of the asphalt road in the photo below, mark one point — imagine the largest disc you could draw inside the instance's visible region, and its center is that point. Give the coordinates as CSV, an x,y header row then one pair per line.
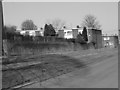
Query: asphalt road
x,y
103,74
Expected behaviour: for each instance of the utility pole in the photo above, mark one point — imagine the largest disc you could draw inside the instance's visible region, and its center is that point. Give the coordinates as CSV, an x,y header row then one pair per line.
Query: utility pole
x,y
1,25
2,36
1,28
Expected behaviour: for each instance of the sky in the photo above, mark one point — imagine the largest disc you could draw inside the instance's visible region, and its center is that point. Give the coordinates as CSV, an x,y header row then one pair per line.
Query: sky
x,y
72,13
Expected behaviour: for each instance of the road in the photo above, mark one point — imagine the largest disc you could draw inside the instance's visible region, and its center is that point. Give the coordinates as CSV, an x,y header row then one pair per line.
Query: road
x,y
103,74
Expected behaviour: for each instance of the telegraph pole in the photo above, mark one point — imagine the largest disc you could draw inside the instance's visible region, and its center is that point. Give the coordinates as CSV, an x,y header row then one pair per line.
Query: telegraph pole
x,y
119,37
1,49
1,26
2,33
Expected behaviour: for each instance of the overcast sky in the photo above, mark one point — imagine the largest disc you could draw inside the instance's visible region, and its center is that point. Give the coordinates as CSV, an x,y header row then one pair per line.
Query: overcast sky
x,y
70,12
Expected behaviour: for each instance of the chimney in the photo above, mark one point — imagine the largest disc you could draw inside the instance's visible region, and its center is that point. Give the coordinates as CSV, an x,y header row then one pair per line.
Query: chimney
x,y
64,27
77,26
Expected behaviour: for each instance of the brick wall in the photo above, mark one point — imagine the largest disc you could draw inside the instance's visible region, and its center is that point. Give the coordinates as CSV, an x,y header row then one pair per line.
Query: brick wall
x,y
96,37
75,33
61,33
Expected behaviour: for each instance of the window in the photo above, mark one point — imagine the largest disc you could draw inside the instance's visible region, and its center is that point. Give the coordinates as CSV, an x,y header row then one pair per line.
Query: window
x,y
110,43
106,38
69,32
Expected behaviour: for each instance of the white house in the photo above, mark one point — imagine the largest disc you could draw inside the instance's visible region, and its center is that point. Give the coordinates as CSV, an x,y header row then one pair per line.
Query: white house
x,y
69,33
31,32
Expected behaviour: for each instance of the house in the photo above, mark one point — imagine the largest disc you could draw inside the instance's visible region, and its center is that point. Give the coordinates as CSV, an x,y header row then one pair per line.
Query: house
x,y
94,35
69,33
110,41
76,31
38,32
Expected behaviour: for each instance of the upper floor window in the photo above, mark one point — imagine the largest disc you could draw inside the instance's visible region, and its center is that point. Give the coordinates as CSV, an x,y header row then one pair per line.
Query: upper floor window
x,y
106,38
69,32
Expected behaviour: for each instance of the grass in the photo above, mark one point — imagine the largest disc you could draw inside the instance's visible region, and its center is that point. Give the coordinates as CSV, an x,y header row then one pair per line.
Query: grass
x,y
51,67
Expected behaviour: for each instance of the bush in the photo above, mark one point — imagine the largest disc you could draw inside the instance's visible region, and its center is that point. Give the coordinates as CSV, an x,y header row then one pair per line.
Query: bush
x,y
80,39
49,30
84,34
71,40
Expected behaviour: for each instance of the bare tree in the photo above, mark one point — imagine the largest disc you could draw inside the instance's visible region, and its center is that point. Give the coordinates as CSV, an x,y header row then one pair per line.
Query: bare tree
x,y
57,24
28,25
90,21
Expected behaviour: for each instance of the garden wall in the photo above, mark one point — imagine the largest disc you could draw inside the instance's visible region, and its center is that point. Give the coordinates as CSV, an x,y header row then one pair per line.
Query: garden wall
x,y
24,48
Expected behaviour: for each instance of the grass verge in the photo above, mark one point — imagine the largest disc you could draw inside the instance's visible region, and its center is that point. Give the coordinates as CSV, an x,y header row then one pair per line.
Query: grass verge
x,y
51,66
